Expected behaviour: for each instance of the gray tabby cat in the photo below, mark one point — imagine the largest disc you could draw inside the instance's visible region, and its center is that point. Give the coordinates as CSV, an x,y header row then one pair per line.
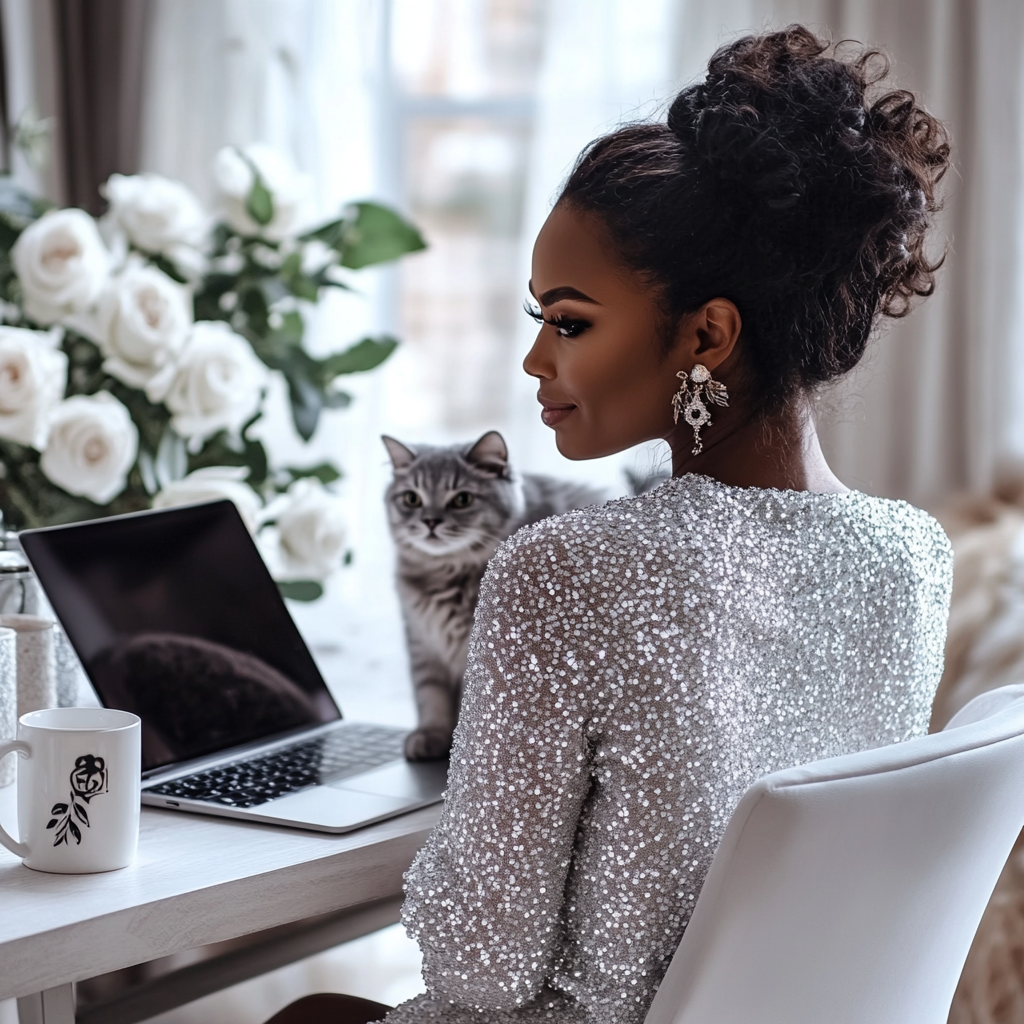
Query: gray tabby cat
x,y
449,508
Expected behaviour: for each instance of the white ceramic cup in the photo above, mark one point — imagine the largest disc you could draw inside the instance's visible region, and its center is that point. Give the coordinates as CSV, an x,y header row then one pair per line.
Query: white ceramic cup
x,y
79,782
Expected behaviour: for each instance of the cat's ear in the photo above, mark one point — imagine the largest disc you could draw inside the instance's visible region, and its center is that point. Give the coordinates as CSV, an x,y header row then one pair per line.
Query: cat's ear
x,y
401,456
490,454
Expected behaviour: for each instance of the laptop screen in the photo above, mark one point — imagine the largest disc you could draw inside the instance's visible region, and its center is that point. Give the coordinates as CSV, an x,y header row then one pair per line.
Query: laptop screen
x,y
176,618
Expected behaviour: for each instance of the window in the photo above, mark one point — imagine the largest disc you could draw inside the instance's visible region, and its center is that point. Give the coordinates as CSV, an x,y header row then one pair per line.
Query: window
x,y
463,76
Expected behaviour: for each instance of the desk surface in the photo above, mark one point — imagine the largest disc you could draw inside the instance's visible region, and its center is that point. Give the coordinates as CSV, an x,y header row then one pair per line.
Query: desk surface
x,y
196,880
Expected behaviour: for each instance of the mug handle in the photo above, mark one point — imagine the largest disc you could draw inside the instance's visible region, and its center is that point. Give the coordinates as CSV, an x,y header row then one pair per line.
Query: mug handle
x,y
18,849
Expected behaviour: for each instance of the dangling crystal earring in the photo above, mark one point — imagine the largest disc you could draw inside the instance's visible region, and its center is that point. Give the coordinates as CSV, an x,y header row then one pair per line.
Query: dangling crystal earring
x,y
696,389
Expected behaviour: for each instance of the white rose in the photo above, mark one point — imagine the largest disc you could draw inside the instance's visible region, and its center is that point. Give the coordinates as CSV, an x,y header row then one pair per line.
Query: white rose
x,y
212,484
157,214
288,188
216,385
62,264
33,378
144,320
92,446
309,541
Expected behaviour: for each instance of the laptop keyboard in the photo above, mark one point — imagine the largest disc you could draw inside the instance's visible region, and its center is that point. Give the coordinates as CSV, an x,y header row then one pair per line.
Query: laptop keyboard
x,y
346,751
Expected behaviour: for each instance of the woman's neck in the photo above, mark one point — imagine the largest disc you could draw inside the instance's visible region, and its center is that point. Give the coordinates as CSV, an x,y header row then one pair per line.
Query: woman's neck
x,y
781,451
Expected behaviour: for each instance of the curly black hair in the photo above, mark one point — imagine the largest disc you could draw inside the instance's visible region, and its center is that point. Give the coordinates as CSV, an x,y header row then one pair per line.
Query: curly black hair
x,y
787,182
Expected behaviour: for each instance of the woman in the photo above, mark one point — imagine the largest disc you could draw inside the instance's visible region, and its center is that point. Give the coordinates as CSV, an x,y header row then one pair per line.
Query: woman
x,y
634,667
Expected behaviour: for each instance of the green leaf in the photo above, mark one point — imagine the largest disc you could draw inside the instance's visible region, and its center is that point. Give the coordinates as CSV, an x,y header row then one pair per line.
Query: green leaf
x,y
337,399
220,450
147,469
150,418
259,204
273,289
16,202
301,590
281,347
171,462
303,287
330,233
168,267
324,281
253,303
376,234
362,356
206,303
324,472
307,401
292,264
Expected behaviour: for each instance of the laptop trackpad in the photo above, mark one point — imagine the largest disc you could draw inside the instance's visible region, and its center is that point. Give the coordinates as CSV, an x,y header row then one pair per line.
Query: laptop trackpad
x,y
323,808
413,782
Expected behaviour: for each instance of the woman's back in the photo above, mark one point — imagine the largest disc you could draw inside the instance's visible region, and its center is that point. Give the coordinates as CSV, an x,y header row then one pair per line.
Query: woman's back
x,y
635,667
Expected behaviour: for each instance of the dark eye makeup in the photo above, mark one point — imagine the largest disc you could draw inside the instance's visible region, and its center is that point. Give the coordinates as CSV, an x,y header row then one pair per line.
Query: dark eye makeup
x,y
567,327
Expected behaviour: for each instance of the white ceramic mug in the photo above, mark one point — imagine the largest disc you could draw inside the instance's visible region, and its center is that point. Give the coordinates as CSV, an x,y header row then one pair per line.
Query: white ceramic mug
x,y
79,782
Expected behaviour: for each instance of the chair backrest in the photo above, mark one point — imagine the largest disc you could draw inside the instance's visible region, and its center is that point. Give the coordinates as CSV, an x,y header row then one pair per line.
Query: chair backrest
x,y
848,891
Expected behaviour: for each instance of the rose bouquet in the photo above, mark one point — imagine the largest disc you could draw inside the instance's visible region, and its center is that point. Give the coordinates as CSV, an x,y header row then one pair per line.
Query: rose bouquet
x,y
135,352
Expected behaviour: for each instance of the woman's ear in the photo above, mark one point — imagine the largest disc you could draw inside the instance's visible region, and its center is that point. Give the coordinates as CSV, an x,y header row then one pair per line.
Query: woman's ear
x,y
709,335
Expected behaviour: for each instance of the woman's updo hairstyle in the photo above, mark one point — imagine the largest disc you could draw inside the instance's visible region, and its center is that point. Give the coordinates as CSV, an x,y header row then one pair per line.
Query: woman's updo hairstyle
x,y
780,184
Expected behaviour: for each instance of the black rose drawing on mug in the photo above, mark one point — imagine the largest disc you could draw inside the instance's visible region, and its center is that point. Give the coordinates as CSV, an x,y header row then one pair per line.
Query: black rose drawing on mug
x,y
88,779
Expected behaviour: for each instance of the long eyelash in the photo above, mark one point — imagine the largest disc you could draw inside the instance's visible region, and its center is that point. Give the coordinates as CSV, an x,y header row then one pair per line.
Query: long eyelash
x,y
533,312
556,321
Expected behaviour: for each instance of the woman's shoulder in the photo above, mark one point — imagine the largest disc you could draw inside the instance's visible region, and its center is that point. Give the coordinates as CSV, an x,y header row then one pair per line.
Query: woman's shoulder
x,y
594,527
905,531
699,513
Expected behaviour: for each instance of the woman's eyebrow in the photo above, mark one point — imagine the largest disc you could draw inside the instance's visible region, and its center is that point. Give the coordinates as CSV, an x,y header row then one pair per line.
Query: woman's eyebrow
x,y
561,292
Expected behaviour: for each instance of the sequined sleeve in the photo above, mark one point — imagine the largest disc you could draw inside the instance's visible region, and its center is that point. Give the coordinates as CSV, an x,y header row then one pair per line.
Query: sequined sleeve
x,y
485,894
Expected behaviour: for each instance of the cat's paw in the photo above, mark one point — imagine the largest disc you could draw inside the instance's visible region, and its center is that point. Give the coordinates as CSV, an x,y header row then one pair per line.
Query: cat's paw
x,y
427,745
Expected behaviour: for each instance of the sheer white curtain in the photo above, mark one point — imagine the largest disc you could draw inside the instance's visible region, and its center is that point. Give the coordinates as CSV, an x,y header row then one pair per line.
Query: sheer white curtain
x,y
305,77
299,75
936,406
605,61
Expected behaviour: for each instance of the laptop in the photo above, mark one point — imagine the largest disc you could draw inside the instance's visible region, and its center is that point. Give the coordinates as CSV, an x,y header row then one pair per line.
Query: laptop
x,y
176,618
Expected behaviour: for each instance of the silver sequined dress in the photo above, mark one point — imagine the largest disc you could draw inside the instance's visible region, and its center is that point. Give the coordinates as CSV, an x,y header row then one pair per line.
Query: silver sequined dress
x,y
633,668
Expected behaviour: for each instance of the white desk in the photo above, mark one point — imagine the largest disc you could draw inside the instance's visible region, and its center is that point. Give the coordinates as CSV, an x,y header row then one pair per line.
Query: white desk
x,y
197,880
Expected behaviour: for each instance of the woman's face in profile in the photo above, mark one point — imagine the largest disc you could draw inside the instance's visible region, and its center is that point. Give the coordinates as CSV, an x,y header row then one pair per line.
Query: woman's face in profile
x,y
606,383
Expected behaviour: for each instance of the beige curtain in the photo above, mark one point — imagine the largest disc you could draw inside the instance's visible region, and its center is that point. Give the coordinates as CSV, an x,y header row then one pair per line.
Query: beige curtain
x,y
939,413
934,407
937,405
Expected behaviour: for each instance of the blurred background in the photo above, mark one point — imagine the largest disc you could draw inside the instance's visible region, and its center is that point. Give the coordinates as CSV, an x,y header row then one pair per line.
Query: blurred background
x,y
466,115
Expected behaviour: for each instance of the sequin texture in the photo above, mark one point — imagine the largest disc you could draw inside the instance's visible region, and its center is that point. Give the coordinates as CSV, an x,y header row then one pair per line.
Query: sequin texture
x,y
633,668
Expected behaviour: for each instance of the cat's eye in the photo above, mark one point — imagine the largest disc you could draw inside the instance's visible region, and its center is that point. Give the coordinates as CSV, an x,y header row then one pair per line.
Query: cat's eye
x,y
411,499
463,499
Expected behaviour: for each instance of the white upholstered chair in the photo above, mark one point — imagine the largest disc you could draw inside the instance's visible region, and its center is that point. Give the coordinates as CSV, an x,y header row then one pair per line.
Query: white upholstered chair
x,y
848,891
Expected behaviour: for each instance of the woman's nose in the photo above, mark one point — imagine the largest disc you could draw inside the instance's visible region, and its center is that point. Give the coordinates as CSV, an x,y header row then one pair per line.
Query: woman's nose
x,y
537,362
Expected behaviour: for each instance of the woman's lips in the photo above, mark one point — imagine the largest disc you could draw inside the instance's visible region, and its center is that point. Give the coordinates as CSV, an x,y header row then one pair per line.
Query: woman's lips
x,y
554,412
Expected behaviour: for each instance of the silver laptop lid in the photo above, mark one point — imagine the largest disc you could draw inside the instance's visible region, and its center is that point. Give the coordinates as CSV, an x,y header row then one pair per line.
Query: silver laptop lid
x,y
176,618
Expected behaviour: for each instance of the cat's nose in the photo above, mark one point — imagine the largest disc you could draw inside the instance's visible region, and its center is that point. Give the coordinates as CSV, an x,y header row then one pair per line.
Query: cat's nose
x,y
431,523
